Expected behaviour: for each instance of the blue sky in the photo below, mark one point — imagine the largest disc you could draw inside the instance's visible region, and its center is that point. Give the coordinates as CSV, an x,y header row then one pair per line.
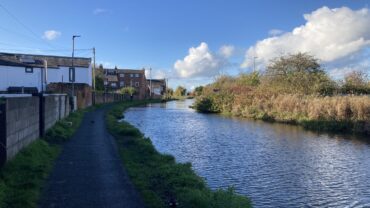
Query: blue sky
x,y
157,34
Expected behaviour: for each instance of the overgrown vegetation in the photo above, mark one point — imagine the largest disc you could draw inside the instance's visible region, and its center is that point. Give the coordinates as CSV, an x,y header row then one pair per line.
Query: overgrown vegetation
x,y
293,89
158,177
22,178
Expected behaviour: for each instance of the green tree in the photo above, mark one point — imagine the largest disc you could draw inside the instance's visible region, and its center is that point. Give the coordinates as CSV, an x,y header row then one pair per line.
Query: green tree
x,y
356,82
198,90
180,91
128,90
99,78
298,73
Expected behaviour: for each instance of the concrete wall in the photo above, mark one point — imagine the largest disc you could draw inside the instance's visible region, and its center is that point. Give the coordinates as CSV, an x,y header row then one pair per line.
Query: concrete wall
x,y
23,120
55,108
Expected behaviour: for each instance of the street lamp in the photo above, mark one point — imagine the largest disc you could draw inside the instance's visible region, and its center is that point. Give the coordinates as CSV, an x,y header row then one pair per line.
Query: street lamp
x,y
72,72
254,63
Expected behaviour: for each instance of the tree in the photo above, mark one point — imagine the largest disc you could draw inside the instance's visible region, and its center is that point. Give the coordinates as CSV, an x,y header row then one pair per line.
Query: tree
x,y
180,91
128,90
198,90
99,78
298,73
356,82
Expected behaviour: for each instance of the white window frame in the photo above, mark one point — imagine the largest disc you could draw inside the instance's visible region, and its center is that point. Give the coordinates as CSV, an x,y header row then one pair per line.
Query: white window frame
x,y
137,84
137,75
113,84
121,75
28,69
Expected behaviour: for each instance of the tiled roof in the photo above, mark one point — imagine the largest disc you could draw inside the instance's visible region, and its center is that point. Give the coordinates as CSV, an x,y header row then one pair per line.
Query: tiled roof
x,y
23,60
140,71
163,81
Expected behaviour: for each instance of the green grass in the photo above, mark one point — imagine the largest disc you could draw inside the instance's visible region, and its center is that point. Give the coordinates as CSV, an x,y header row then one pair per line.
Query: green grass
x,y
158,177
22,178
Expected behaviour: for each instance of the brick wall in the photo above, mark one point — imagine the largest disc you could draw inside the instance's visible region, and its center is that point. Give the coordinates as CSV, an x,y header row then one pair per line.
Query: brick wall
x,y
101,97
82,91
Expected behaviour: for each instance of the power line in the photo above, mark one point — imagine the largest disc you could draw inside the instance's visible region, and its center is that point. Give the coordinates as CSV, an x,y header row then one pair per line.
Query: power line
x,y
24,26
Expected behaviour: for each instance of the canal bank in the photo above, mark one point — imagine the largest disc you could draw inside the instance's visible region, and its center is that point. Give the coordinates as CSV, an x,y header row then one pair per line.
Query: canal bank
x,y
159,178
275,165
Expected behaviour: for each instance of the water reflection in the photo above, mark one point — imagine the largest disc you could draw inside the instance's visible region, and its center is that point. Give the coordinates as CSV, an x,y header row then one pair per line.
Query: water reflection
x,y
276,165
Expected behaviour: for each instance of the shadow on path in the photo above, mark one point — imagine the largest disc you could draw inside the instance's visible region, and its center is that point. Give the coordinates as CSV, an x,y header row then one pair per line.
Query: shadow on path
x,y
89,172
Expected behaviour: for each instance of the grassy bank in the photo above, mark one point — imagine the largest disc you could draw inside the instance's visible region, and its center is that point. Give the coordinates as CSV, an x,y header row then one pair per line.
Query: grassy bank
x,y
293,89
158,177
22,178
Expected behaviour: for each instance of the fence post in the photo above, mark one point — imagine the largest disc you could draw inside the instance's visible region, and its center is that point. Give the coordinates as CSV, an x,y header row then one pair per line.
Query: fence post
x,y
42,114
3,132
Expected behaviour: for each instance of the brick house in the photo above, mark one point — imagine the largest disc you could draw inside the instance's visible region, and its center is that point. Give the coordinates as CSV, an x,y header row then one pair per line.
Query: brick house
x,y
115,79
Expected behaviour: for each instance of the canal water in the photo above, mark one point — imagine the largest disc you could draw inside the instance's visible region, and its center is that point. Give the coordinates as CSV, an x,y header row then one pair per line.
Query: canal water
x,y
276,165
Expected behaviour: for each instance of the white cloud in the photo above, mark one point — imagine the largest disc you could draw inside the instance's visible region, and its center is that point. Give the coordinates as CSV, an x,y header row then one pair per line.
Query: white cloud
x,y
200,62
99,11
329,34
227,50
275,32
51,34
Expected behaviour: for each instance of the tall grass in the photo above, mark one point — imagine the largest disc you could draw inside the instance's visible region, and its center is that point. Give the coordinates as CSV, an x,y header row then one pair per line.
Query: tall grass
x,y
231,95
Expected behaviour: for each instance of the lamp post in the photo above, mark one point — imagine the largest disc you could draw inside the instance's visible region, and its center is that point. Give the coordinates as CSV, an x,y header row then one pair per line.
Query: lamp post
x,y
254,63
150,75
72,70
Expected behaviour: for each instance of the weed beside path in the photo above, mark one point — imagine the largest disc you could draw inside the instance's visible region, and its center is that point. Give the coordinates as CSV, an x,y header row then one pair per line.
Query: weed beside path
x,y
160,180
22,178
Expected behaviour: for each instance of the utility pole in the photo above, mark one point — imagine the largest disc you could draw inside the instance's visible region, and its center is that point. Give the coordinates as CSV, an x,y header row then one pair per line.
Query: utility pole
x,y
150,75
44,75
73,72
254,63
93,71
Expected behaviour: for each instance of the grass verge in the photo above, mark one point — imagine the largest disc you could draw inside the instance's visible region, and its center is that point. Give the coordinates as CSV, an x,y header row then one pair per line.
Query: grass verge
x,y
158,177
22,178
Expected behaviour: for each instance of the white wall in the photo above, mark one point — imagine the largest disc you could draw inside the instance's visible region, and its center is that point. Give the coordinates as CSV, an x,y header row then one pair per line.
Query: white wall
x,y
83,75
17,76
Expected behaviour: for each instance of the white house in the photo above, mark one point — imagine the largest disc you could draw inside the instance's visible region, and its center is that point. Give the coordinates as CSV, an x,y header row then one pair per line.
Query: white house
x,y
25,70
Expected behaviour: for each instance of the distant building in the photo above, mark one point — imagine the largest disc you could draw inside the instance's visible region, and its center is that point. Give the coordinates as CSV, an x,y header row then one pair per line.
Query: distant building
x,y
24,71
115,79
158,87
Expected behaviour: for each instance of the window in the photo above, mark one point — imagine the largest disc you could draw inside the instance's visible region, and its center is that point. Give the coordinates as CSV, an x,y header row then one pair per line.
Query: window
x,y
137,75
121,75
137,84
72,74
113,84
29,70
121,84
131,75
105,82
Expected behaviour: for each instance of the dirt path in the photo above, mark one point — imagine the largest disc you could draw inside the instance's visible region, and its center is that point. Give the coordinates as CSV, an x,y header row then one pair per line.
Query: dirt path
x,y
89,172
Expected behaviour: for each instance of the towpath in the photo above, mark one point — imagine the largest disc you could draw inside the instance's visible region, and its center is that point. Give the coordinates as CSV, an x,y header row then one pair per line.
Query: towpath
x,y
89,171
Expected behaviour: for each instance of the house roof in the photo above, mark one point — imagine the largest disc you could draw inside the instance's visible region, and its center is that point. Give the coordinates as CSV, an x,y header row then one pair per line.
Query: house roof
x,y
120,71
30,60
162,81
